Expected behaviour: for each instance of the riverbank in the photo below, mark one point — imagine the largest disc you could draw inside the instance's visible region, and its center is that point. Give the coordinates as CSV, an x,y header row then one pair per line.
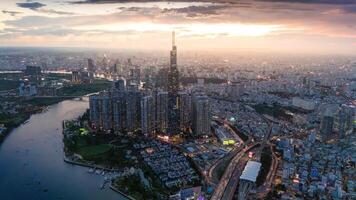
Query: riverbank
x,y
68,160
15,110
97,167
120,192
10,128
28,108
34,153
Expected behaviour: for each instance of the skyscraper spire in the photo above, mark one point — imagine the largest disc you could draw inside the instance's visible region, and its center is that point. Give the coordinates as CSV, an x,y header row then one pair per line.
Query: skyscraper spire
x,y
173,39
173,87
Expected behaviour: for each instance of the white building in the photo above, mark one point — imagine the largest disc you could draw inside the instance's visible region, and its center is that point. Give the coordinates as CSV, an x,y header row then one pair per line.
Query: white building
x,y
26,90
248,178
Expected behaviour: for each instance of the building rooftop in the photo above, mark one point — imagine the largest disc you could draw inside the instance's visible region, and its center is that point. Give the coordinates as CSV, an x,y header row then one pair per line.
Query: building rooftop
x,y
251,171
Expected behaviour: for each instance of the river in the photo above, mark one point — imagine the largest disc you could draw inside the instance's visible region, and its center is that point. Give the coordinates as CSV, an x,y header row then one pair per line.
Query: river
x,y
32,166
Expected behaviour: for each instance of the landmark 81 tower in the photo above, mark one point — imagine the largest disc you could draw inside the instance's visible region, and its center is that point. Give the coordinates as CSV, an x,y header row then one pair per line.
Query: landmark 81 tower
x,y
173,87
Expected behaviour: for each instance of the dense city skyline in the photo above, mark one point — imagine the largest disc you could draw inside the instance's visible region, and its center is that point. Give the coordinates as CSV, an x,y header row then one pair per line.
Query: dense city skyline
x,y
178,100
318,27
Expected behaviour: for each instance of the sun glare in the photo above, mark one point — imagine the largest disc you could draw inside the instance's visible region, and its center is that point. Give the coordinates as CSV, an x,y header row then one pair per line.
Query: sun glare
x,y
251,30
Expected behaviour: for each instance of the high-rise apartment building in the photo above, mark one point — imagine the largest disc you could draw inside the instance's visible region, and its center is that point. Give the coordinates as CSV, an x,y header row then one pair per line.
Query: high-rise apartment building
x,y
133,107
106,113
135,76
200,116
119,85
345,119
161,111
327,124
185,110
119,112
147,115
91,69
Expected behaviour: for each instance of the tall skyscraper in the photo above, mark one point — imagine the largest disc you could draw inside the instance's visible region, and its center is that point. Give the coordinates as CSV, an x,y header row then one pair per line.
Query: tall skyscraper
x,y
162,111
119,112
133,114
173,75
91,69
162,78
101,111
33,71
173,87
201,118
119,84
76,77
135,75
106,113
345,119
327,124
147,115
33,74
185,110
95,110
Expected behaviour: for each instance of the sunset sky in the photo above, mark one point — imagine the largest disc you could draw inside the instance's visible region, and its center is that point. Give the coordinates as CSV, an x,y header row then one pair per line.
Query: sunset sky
x,y
300,26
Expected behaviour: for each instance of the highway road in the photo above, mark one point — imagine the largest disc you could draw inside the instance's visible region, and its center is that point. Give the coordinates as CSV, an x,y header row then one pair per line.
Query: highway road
x,y
228,183
219,191
210,175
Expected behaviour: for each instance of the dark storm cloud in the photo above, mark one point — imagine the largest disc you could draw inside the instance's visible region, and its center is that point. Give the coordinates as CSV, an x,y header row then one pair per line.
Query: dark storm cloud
x,y
31,5
37,6
12,13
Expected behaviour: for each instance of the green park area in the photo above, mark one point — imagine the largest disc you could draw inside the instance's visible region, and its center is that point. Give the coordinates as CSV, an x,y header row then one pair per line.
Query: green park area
x,y
266,161
11,121
94,151
142,185
101,149
83,89
43,101
58,76
275,110
132,185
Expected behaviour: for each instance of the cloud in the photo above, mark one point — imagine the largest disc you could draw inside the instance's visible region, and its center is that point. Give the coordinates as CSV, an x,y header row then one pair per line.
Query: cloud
x,y
349,9
189,11
12,13
340,2
37,6
150,1
219,1
195,11
52,11
302,18
31,5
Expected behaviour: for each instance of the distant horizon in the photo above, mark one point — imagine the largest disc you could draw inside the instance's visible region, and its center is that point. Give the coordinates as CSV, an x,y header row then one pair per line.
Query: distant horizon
x,y
229,52
293,26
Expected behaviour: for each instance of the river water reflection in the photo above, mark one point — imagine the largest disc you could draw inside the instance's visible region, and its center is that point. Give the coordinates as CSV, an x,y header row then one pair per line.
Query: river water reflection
x,y
31,161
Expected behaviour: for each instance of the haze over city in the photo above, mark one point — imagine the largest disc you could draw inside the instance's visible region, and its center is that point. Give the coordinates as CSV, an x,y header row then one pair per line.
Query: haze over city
x,y
178,100
293,26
